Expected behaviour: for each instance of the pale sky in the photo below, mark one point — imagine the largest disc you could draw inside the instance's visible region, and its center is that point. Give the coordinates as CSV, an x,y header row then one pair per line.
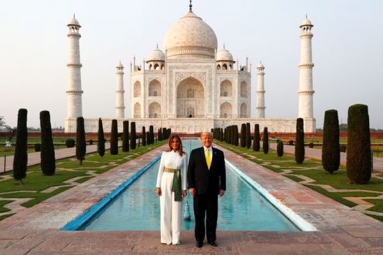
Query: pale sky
x,y
347,51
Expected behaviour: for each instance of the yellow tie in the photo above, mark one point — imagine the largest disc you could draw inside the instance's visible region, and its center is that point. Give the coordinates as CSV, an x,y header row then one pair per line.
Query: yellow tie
x,y
208,158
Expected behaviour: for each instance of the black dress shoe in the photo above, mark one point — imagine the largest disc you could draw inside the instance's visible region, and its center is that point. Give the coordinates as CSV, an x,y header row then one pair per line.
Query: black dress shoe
x,y
212,243
198,244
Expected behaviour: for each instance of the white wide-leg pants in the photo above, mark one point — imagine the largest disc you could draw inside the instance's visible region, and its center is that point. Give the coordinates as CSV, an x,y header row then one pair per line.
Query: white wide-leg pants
x,y
171,212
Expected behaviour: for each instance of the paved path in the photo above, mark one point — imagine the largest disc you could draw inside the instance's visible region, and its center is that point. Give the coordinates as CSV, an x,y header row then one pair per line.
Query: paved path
x,y
340,230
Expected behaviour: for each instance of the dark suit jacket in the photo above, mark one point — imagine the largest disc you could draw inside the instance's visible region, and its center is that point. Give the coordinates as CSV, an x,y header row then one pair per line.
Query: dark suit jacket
x,y
203,179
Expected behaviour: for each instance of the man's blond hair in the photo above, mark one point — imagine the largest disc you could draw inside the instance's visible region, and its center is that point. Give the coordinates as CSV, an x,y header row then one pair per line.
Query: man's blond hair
x,y
207,133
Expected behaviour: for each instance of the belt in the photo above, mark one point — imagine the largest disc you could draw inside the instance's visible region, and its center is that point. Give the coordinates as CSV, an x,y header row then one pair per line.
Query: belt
x,y
170,170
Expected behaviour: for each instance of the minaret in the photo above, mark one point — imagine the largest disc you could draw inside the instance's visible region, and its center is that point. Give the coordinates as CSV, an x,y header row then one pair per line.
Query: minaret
x,y
74,92
260,91
305,92
120,92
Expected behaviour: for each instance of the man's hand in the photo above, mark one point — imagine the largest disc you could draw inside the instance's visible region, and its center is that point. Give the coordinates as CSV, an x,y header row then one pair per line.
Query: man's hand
x,y
221,192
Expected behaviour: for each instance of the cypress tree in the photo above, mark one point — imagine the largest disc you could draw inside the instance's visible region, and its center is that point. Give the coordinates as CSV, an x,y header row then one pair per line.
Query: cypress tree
x,y
47,154
248,136
80,140
143,135
257,138
236,135
100,139
359,158
125,136
331,146
280,149
160,135
20,160
299,142
151,134
133,136
265,144
114,138
243,135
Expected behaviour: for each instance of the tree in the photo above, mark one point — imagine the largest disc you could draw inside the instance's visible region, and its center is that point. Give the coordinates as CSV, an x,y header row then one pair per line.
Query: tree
x,y
20,160
243,135
80,140
114,138
265,144
280,149
299,142
257,138
125,136
47,154
133,136
331,146
359,161
143,135
100,139
151,134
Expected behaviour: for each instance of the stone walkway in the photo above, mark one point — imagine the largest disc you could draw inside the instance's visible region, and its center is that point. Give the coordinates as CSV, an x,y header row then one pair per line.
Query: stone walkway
x,y
340,230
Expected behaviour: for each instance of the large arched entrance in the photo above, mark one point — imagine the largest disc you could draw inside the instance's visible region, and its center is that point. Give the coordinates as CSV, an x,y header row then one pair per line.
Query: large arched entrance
x,y
190,99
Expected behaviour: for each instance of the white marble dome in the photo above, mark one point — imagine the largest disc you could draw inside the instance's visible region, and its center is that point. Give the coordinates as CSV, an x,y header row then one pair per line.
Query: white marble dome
x,y
224,55
190,36
306,22
156,55
73,22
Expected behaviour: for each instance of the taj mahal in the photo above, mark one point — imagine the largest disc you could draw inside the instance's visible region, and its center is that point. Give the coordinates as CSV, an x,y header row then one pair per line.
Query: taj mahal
x,y
190,86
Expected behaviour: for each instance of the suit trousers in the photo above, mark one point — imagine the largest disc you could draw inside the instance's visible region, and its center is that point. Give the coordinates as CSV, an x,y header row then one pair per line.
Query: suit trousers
x,y
205,205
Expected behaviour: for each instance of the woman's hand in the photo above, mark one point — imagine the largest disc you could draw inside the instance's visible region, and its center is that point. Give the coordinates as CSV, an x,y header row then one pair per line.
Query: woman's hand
x,y
184,193
158,191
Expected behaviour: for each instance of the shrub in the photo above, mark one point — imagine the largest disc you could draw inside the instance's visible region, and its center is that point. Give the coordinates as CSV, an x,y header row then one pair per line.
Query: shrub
x,y
359,162
311,145
100,139
280,149
80,140
125,136
330,148
20,160
343,148
133,136
257,138
91,142
37,147
243,135
114,138
265,144
143,134
47,155
70,143
299,142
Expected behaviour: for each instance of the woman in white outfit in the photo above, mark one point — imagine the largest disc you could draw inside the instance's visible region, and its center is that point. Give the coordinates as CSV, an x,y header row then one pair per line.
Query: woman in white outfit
x,y
171,188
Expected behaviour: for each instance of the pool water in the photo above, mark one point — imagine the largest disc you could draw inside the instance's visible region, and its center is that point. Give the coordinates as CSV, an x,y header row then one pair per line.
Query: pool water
x,y
242,208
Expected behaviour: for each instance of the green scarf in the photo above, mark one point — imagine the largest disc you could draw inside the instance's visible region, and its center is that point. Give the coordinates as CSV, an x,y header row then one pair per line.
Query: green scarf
x,y
177,187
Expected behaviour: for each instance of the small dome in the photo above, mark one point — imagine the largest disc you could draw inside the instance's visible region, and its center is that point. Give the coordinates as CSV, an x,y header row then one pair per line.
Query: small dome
x,y
74,22
156,55
260,65
190,36
306,22
224,55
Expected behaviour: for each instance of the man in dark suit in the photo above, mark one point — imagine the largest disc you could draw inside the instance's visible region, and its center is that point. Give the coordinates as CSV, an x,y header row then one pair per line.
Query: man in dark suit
x,y
206,181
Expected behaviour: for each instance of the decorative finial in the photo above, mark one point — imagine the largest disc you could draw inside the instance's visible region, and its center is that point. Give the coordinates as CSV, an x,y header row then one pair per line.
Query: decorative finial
x,y
190,5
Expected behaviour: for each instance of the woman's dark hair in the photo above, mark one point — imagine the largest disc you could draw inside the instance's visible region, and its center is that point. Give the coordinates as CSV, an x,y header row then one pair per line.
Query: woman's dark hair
x,y
180,150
